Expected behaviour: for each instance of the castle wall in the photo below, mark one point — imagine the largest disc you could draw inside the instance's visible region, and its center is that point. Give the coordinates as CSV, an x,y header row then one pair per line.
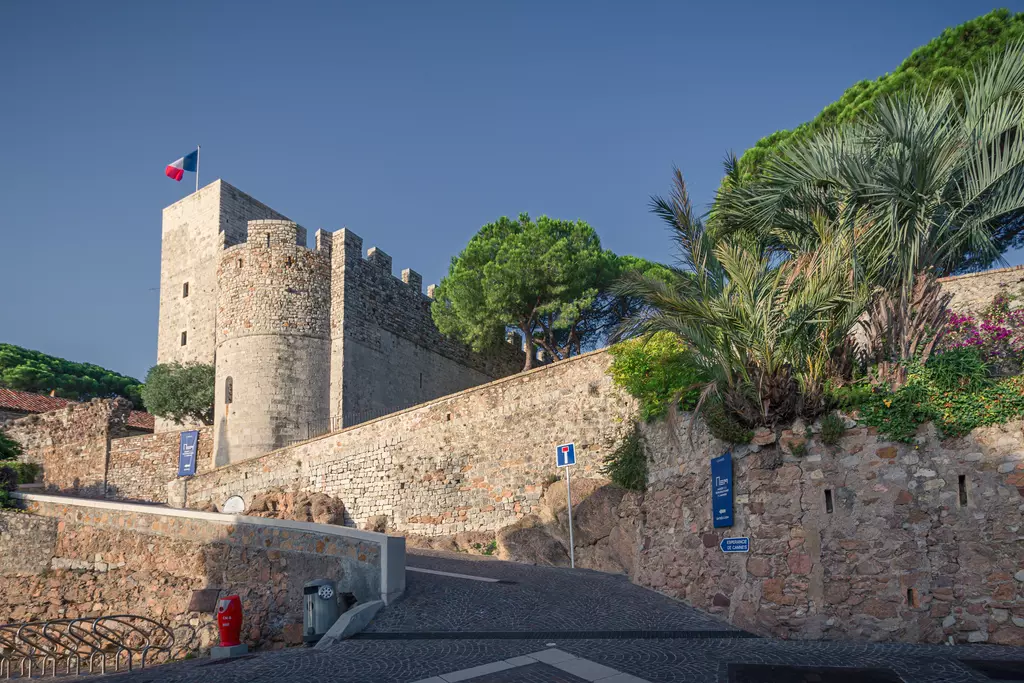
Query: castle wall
x,y
477,460
975,291
387,353
273,341
195,229
139,467
72,444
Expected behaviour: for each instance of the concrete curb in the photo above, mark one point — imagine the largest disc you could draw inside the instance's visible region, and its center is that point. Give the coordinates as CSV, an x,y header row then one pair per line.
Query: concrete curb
x,y
350,623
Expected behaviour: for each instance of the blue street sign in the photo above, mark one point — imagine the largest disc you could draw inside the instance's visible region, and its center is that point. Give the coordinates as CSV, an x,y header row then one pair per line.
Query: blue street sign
x,y
721,490
187,453
565,455
735,545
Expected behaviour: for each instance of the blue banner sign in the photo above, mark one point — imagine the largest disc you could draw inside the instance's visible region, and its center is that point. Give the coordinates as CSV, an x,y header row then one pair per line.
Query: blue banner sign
x,y
735,545
187,453
721,490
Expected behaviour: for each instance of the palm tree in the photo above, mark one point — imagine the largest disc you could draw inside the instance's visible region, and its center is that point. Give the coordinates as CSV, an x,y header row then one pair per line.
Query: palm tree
x,y
763,332
922,183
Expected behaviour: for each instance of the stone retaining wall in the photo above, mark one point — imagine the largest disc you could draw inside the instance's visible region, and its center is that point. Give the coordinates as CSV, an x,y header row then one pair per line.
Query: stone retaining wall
x,y
83,558
477,460
867,539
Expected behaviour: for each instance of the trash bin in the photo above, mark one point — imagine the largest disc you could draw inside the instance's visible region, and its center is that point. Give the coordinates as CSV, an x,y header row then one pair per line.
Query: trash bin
x,y
320,609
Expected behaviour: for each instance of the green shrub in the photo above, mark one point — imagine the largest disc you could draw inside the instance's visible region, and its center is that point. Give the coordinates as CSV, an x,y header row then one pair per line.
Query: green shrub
x,y
27,472
8,483
627,464
654,369
9,448
934,393
958,370
723,425
832,429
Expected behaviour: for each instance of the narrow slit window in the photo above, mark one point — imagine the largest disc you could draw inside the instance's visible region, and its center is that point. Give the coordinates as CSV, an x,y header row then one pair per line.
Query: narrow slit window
x,y
449,417
184,338
911,598
421,380
268,240
828,501
229,390
290,260
184,290
962,487
239,263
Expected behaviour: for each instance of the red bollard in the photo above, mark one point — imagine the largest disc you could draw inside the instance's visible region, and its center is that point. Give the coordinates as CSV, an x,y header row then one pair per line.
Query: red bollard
x,y
229,620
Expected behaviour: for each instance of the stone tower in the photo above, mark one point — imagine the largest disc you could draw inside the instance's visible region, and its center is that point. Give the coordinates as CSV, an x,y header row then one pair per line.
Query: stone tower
x,y
273,348
304,341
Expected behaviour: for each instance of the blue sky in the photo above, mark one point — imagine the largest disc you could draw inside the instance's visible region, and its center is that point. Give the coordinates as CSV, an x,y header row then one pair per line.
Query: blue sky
x,y
411,123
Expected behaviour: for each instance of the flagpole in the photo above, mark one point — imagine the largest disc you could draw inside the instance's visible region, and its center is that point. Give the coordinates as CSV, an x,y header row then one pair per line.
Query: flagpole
x,y
198,147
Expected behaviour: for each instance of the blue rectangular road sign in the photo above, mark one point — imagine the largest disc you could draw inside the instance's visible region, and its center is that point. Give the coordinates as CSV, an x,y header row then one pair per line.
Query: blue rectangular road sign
x,y
565,455
735,545
721,490
187,453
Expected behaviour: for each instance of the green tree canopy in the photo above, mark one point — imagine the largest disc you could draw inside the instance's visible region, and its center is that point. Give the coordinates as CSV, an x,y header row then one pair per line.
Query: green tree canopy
x,y
26,370
945,62
547,278
180,392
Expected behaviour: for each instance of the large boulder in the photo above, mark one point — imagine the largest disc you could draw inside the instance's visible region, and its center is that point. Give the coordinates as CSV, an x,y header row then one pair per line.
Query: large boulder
x,y
298,506
594,517
552,503
527,541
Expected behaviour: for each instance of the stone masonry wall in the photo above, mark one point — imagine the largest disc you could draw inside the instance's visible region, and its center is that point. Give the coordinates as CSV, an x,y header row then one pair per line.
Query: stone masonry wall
x,y
77,561
273,327
866,540
975,291
477,460
386,352
72,443
195,229
139,467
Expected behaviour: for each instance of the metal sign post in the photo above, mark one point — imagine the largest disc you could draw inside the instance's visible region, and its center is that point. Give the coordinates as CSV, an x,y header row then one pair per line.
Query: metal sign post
x,y
565,455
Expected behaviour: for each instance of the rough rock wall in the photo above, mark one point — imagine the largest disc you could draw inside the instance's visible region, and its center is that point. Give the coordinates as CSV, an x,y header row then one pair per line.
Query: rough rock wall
x,y
866,540
83,561
83,450
139,467
477,460
975,291
72,443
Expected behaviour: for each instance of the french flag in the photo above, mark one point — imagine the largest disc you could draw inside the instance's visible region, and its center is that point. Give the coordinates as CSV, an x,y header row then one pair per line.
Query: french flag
x,y
189,162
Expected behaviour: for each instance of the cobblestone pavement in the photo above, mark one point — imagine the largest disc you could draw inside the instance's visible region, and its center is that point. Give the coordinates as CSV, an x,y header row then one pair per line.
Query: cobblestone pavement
x,y
402,645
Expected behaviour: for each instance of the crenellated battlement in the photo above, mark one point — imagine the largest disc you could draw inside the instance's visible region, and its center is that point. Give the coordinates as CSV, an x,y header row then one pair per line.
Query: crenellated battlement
x,y
351,247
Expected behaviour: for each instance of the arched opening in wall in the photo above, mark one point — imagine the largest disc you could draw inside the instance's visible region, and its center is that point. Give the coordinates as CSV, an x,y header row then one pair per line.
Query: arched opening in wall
x,y
229,393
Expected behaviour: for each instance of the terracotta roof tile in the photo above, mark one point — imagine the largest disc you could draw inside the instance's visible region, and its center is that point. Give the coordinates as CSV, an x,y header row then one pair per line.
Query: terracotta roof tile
x,y
26,402
30,403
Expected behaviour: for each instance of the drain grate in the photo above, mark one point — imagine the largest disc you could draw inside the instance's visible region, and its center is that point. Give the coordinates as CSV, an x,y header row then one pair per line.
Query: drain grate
x,y
548,635
997,669
772,673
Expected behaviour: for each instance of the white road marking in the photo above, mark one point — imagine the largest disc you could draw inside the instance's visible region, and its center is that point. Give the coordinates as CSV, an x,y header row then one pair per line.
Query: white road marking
x,y
457,576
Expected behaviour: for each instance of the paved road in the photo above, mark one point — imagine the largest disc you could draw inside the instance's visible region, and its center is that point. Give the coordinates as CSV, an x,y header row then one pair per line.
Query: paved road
x,y
546,625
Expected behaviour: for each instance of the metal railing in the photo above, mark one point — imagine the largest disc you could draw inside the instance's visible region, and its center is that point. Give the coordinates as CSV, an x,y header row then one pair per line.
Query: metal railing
x,y
120,640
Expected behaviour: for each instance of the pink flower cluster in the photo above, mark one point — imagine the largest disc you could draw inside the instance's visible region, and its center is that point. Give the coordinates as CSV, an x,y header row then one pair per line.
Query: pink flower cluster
x,y
998,333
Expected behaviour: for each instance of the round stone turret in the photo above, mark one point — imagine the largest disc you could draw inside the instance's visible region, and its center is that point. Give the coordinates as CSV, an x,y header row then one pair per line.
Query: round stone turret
x,y
273,341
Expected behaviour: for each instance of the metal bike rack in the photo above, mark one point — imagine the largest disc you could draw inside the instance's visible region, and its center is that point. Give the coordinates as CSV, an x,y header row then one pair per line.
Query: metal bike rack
x,y
38,647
